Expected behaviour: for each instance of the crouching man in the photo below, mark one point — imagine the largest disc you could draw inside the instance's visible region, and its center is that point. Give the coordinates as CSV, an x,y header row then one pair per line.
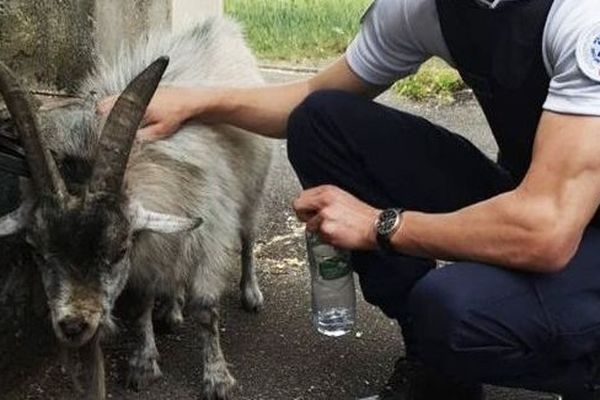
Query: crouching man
x,y
520,306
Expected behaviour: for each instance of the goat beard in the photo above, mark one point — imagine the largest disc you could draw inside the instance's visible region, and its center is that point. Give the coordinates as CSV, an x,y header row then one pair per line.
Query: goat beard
x,y
85,366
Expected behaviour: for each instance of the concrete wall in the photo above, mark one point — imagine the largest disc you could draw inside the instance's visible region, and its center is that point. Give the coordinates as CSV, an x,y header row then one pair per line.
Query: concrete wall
x,y
119,21
47,41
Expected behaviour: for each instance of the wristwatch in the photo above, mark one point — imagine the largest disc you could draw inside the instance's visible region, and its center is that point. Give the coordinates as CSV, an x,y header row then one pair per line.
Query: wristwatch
x,y
386,225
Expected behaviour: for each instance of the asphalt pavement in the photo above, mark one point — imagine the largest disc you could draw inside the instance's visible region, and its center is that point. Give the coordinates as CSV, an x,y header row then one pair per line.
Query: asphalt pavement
x,y
275,355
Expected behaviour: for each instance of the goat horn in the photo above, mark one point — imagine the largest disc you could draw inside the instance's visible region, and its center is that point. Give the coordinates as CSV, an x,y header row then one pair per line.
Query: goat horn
x,y
121,127
43,169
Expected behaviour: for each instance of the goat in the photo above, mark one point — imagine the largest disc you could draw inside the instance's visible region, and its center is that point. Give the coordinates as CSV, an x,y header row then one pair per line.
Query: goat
x,y
103,213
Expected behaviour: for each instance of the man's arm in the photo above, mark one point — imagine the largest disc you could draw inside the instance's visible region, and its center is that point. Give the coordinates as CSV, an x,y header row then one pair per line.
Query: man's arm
x,y
536,227
263,110
266,110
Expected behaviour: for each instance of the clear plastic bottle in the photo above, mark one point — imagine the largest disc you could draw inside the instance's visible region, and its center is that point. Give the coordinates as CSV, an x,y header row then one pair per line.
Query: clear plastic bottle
x,y
332,281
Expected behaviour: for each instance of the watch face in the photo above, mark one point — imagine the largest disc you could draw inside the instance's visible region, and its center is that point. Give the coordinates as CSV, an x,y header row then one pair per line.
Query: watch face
x,y
387,222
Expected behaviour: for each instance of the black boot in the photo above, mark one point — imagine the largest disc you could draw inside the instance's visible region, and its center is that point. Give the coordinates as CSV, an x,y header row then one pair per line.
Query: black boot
x,y
411,380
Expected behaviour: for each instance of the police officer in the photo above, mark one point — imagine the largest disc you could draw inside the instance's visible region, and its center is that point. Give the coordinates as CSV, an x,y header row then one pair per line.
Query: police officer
x,y
520,306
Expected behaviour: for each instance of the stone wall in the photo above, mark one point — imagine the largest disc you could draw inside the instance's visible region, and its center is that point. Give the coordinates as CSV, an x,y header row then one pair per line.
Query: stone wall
x,y
47,42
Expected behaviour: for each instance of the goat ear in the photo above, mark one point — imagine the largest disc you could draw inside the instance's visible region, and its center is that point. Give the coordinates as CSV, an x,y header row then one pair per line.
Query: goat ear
x,y
146,220
15,221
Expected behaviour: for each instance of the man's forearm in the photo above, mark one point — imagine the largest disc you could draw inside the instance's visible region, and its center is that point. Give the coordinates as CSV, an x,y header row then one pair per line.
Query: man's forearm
x,y
266,110
263,110
504,230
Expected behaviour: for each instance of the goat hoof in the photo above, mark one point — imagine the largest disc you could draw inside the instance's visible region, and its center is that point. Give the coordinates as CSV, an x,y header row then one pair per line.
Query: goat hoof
x,y
252,299
218,384
143,371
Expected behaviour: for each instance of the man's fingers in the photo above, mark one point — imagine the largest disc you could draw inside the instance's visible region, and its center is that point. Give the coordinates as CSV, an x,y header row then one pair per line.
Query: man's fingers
x,y
306,207
323,191
314,223
151,132
312,200
305,216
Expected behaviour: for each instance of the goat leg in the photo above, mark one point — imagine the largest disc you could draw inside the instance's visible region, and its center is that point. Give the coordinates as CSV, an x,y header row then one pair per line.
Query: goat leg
x,y
252,297
217,380
143,363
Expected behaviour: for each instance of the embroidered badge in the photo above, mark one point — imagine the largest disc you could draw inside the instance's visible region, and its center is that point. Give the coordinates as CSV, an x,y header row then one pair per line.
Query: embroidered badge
x,y
588,52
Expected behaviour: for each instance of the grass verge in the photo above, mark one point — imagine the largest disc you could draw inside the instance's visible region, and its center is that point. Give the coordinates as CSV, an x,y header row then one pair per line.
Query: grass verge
x,y
298,30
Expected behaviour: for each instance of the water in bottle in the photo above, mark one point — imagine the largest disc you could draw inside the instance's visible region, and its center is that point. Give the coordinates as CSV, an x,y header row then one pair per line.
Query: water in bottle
x,y
333,296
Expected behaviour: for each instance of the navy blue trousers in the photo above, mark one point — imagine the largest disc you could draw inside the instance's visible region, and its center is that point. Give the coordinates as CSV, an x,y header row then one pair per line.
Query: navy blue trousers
x,y
471,321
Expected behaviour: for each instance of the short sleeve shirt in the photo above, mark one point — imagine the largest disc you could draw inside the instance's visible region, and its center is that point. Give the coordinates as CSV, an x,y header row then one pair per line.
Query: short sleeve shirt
x,y
397,36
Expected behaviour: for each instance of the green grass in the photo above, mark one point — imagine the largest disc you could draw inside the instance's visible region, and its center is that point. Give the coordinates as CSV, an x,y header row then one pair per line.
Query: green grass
x,y
434,81
311,30
298,29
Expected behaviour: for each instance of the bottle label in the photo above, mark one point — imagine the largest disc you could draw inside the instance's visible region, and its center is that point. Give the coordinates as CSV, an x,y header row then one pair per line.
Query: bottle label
x,y
334,268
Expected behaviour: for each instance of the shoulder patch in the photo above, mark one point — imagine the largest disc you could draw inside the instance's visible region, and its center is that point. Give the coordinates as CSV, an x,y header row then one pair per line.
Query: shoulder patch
x,y
367,11
588,52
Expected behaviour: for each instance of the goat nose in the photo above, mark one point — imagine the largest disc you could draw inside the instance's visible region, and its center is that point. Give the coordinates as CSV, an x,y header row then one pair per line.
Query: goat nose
x,y
73,327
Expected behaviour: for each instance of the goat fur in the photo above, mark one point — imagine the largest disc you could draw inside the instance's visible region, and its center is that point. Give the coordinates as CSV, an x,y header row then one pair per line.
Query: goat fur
x,y
216,173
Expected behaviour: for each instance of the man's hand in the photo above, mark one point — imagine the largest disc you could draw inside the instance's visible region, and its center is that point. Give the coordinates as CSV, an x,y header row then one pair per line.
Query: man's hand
x,y
340,218
169,109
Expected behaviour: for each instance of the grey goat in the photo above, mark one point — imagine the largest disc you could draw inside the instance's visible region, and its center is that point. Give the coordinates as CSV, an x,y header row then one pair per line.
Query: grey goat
x,y
102,213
